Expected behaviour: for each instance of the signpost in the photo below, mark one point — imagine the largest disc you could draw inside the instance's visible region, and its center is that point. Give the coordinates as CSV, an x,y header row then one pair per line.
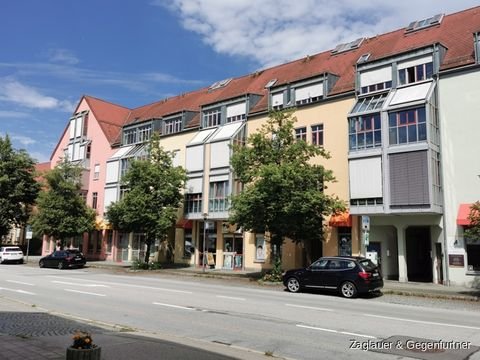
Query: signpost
x,y
28,236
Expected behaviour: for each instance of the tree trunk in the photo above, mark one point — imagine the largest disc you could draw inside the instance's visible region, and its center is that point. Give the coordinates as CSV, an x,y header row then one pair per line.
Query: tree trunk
x,y
148,242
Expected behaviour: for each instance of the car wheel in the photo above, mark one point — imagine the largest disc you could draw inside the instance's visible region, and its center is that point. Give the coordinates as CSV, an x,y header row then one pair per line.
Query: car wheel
x,y
61,265
348,289
293,285
41,264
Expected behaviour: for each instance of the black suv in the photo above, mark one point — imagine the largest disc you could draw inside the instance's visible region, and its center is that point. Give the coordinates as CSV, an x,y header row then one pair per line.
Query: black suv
x,y
346,274
63,259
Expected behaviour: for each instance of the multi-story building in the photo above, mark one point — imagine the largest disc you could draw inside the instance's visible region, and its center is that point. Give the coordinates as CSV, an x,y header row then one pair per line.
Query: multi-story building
x,y
385,107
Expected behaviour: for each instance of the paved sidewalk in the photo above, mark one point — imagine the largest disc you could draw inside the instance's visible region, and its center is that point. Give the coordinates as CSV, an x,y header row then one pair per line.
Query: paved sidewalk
x,y
29,333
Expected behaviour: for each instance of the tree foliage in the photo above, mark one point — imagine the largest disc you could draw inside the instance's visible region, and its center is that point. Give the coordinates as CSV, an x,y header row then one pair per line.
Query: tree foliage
x,y
18,187
62,212
153,198
473,232
284,192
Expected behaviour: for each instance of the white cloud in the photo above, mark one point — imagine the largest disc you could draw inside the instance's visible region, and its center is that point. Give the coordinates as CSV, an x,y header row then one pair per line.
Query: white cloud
x,y
63,56
24,140
15,92
275,31
13,114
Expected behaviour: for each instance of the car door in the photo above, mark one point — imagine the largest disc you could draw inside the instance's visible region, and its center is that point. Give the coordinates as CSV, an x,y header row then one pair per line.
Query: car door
x,y
315,274
57,256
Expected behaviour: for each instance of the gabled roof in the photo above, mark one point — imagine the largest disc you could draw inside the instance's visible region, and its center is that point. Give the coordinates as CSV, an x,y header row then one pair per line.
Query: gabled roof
x,y
111,117
454,33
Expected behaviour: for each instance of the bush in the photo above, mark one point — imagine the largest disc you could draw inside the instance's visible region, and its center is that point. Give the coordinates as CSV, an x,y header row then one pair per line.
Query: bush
x,y
141,265
274,275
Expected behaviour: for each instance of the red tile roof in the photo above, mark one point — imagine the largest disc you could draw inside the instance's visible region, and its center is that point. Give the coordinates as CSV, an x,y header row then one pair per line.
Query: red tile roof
x,y
455,33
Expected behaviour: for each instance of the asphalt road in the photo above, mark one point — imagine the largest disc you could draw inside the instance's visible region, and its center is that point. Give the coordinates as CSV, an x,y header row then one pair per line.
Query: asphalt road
x,y
296,326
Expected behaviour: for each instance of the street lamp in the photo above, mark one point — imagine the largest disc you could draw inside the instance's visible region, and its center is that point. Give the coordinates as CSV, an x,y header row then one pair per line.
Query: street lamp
x,y
205,217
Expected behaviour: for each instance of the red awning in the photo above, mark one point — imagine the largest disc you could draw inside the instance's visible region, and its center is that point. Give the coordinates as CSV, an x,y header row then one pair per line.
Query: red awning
x,y
463,213
184,223
341,220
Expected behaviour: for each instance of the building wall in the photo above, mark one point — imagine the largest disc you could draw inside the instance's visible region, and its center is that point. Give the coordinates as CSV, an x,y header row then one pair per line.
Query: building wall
x,y
460,129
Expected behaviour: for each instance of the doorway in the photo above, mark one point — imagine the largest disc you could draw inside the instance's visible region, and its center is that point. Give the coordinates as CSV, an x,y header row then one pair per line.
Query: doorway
x,y
419,254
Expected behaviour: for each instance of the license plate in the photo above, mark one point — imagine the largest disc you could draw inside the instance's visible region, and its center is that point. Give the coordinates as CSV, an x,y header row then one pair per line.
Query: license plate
x,y
375,275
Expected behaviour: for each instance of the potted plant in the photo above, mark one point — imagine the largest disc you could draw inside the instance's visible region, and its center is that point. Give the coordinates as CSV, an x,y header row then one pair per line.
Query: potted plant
x,y
83,347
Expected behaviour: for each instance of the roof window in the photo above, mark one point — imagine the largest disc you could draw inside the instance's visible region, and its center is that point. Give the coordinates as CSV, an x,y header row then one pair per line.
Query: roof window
x,y
424,23
363,58
270,83
219,84
348,46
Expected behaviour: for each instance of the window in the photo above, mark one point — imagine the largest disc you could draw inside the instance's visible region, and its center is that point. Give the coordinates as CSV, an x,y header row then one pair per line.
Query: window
x,y
407,126
369,103
309,93
212,118
188,248
94,200
124,165
317,135
109,241
260,247
319,264
129,136
377,87
172,126
301,133
236,112
415,73
218,200
344,241
277,100
193,203
473,255
364,132
144,133
96,172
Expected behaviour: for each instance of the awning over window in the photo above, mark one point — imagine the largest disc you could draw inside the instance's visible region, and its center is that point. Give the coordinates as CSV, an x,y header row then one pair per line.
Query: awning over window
x,y
184,224
463,212
341,220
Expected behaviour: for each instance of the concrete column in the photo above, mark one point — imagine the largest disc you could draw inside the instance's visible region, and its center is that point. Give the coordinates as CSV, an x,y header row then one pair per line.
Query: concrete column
x,y
402,254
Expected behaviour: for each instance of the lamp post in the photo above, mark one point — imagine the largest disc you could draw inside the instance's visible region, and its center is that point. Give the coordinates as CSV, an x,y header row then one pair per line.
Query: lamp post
x,y
205,217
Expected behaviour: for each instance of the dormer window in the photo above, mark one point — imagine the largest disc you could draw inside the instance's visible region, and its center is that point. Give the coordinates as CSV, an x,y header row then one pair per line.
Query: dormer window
x,y
415,70
277,100
138,134
212,117
309,93
172,126
376,80
129,136
236,112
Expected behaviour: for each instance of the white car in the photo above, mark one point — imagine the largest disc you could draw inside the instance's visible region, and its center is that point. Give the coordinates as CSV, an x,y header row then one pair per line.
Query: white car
x,y
11,254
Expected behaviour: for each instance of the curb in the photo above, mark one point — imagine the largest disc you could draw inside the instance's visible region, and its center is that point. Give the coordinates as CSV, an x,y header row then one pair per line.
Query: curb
x,y
430,295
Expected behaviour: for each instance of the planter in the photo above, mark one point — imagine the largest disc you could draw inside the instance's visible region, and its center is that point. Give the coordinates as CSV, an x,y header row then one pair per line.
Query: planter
x,y
84,354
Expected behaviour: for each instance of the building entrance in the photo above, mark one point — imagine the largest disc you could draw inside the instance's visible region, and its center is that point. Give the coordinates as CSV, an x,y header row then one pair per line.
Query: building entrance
x,y
419,254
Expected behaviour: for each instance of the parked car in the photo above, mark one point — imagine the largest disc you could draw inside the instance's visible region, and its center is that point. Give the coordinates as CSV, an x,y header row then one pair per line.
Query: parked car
x,y
63,259
11,254
346,274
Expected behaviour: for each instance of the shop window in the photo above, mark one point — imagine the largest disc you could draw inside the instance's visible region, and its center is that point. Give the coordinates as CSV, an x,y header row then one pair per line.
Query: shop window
x,y
188,249
344,241
260,247
109,241
473,255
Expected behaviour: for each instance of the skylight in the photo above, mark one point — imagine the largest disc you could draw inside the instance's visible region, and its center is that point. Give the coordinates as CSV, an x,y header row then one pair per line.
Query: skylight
x,y
348,46
270,83
424,23
363,58
219,84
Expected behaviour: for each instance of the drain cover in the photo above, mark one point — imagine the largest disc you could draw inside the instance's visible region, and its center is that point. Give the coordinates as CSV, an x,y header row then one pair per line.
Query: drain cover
x,y
425,348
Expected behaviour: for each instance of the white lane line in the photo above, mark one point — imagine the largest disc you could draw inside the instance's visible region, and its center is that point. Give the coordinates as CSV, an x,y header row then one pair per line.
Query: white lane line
x,y
174,306
84,292
308,307
78,284
131,285
18,291
335,331
19,282
230,297
424,322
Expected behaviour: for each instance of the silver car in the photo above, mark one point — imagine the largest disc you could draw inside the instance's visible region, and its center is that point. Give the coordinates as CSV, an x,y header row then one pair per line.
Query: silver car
x,y
11,254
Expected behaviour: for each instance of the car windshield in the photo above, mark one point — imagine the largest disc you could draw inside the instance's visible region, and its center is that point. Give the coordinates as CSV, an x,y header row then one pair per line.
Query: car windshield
x,y
367,265
13,249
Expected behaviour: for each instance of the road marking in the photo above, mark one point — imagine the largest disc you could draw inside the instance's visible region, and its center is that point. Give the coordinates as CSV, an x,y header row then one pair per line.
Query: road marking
x,y
84,292
231,297
174,306
19,282
308,307
78,284
423,322
130,285
335,331
18,291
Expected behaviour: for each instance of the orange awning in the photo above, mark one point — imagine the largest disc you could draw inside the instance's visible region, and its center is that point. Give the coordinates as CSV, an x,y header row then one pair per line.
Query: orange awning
x,y
184,224
463,213
341,220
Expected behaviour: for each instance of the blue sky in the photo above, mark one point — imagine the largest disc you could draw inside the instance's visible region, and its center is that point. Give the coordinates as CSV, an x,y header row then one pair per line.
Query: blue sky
x,y
134,52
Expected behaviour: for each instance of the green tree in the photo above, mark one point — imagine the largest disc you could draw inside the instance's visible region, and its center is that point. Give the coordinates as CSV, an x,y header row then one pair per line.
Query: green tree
x,y
284,193
473,232
18,187
154,195
61,210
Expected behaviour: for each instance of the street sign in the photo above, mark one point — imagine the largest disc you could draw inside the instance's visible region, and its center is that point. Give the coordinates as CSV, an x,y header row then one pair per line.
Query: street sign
x,y
28,232
365,223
